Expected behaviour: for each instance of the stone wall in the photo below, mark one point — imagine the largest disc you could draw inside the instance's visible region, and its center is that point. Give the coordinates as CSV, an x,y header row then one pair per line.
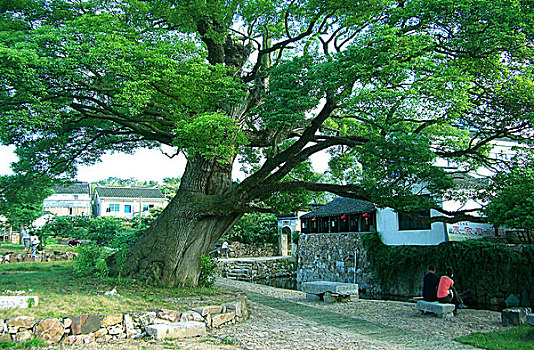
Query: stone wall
x,y
112,327
11,257
250,269
340,257
337,257
240,250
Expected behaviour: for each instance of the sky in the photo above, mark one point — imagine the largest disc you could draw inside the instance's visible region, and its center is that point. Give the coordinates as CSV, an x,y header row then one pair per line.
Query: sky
x,y
143,165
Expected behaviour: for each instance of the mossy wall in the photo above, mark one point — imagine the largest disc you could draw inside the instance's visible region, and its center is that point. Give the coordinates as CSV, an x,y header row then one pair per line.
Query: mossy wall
x,y
487,272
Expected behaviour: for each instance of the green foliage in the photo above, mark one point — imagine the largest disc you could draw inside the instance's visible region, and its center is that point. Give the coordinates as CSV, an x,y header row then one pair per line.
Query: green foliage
x,y
21,197
115,181
208,271
110,231
511,197
91,260
255,228
27,344
508,267
516,338
212,135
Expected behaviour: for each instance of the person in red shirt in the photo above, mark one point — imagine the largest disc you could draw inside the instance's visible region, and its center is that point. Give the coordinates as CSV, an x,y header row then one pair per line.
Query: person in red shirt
x,y
447,293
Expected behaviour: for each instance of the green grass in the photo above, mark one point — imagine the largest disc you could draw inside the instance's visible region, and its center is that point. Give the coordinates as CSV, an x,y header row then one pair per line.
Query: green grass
x,y
61,293
19,248
517,338
35,342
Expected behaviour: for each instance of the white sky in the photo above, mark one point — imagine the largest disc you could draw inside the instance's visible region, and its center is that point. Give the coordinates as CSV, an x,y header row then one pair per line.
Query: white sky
x,y
144,165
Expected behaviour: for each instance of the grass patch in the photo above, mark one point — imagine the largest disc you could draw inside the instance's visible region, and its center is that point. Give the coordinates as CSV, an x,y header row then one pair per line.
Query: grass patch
x,y
28,344
516,338
19,248
61,293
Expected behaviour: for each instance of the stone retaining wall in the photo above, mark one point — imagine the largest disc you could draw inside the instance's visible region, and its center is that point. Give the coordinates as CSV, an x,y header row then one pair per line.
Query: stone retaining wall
x,y
11,257
340,257
336,257
256,250
85,329
250,269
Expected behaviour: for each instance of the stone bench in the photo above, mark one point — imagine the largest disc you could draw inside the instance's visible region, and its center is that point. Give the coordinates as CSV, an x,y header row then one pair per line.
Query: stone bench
x,y
439,309
329,291
530,319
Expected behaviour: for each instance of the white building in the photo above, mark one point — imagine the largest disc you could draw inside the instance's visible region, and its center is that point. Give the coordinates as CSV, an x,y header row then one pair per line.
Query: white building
x,y
127,202
71,200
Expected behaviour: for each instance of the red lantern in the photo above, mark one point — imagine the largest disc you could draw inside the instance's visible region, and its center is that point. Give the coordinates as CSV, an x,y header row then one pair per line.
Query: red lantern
x,y
343,217
314,219
366,215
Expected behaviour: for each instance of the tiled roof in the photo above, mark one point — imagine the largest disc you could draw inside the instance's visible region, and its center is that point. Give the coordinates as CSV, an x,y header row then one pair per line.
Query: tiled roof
x,y
342,206
129,192
77,188
464,181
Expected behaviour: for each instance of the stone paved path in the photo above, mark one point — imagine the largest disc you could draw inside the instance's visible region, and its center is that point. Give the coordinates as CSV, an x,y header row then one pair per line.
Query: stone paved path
x,y
282,319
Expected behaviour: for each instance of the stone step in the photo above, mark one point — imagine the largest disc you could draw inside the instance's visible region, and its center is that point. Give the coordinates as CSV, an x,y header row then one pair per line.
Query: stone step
x,y
176,330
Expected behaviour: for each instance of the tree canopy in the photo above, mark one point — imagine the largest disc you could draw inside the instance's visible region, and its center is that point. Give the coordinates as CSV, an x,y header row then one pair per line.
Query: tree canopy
x,y
385,87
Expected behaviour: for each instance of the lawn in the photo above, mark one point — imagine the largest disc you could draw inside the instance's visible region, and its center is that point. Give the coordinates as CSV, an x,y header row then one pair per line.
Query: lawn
x,y
61,293
19,248
516,338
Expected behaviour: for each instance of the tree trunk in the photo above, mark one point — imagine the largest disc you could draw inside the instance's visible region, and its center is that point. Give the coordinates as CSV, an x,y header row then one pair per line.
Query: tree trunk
x,y
168,253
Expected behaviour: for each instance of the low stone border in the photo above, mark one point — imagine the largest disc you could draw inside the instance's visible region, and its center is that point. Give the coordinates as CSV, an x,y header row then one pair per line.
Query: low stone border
x,y
85,329
11,257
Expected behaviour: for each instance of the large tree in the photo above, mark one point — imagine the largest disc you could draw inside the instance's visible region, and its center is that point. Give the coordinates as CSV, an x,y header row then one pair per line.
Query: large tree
x,y
385,87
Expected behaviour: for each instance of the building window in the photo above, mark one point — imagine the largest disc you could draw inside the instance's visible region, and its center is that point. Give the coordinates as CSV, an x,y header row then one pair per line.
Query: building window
x,y
127,208
408,223
145,207
113,207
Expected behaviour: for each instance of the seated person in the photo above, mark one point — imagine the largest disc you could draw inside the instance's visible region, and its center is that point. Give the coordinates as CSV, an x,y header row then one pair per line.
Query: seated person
x,y
447,293
430,284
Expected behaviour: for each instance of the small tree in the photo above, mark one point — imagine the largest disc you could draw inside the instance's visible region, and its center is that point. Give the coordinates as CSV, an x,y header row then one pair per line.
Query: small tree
x,y
255,228
512,198
21,197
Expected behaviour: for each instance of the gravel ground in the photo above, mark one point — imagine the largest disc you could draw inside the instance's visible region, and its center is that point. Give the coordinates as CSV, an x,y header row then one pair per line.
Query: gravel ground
x,y
283,319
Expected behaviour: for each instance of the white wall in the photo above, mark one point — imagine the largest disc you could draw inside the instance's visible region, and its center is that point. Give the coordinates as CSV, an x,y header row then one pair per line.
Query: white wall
x,y
103,204
388,226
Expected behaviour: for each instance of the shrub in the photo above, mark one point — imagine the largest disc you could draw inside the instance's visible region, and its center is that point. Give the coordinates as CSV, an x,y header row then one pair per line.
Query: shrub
x,y
256,228
91,260
208,271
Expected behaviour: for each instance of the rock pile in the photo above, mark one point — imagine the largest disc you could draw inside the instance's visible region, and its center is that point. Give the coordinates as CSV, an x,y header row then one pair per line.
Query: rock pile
x,y
85,329
11,257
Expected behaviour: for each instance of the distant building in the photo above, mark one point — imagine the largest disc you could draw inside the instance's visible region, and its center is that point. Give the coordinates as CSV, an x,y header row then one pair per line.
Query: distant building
x,y
70,200
127,202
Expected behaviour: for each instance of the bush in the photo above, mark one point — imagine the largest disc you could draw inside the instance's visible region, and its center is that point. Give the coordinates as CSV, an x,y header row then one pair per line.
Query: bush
x,y
91,260
257,228
208,271
480,267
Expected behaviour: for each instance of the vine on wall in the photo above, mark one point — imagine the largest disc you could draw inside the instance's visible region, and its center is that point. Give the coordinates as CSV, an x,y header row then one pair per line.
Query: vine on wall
x,y
488,272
